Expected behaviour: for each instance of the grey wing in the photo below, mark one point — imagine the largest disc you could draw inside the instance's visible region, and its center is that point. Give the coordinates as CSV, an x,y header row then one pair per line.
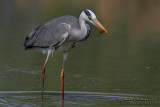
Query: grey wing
x,y
47,36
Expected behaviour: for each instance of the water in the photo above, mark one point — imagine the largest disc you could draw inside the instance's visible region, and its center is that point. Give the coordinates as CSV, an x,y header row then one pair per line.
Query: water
x,y
102,71
74,99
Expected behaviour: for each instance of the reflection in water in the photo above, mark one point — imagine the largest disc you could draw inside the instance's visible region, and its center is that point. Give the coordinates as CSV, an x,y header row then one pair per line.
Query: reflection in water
x,y
73,98
31,98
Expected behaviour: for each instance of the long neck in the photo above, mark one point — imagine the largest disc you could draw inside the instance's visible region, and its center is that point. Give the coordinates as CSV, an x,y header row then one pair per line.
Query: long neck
x,y
80,31
83,26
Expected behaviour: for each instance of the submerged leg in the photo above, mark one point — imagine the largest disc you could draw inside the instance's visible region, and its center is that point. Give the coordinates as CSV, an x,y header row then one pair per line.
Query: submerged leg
x,y
62,75
43,74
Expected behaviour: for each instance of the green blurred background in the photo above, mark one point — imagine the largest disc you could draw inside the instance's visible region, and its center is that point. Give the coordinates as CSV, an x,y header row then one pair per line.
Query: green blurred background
x,y
127,61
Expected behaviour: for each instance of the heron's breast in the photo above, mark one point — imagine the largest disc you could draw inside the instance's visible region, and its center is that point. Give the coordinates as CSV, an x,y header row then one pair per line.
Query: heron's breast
x,y
77,35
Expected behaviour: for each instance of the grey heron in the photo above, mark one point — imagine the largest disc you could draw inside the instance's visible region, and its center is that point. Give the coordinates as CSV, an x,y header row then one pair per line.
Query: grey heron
x,y
61,34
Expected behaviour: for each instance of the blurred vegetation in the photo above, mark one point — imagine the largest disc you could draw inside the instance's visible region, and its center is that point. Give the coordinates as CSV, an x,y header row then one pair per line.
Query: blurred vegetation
x,y
138,15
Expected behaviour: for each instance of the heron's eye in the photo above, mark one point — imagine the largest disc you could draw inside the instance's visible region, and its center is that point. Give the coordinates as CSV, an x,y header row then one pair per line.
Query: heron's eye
x,y
89,18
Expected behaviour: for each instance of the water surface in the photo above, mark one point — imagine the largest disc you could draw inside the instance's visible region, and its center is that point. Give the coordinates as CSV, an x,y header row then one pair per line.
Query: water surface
x,y
98,71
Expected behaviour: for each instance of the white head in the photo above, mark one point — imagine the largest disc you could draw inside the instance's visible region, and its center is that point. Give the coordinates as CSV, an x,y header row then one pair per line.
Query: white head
x,y
89,16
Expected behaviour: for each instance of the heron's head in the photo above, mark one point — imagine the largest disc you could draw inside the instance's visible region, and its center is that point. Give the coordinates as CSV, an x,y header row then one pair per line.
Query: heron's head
x,y
89,16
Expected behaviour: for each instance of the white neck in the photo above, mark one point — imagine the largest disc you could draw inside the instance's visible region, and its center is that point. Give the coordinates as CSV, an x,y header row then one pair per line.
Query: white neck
x,y
82,23
80,32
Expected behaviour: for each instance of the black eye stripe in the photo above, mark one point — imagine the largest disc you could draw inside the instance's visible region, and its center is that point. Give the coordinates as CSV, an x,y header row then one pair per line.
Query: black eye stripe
x,y
88,13
89,18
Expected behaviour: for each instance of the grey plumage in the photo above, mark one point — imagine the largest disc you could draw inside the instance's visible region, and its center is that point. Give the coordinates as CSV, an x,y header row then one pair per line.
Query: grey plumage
x,y
61,34
50,34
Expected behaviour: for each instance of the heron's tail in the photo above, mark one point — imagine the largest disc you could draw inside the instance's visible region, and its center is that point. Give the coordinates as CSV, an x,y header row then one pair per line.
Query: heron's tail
x,y
29,40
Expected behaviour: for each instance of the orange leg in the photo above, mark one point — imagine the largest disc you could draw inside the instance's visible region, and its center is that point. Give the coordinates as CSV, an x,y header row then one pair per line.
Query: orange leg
x,y
62,83
43,74
62,76
62,86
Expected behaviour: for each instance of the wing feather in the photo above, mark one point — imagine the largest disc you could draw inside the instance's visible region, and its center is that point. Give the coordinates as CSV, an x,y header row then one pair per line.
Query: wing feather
x,y
48,35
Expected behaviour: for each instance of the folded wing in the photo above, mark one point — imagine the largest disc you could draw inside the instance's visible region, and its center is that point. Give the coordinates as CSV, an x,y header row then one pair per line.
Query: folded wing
x,y
47,36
